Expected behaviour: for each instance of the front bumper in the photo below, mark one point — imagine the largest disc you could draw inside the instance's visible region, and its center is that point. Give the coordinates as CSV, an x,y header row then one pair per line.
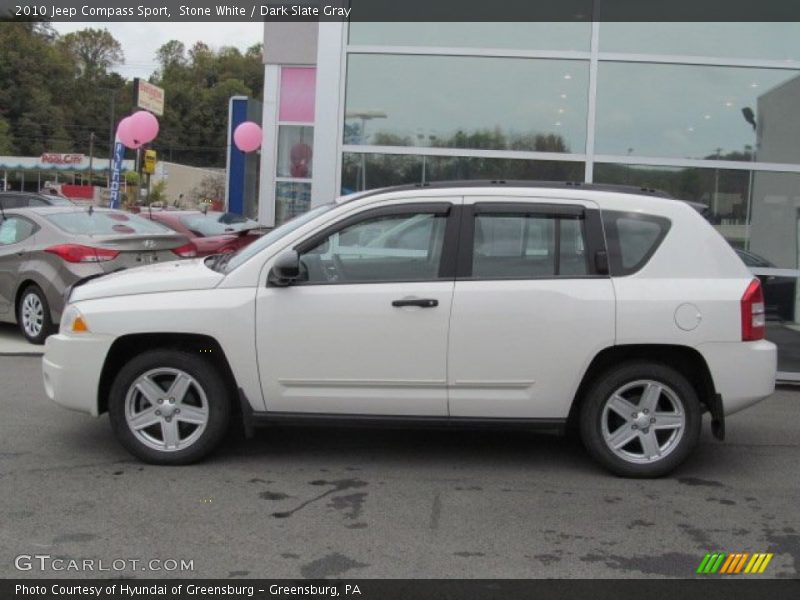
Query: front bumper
x,y
71,368
743,372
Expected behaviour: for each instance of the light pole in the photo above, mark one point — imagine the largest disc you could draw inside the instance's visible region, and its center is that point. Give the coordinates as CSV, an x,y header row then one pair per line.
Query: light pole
x,y
112,93
750,117
421,138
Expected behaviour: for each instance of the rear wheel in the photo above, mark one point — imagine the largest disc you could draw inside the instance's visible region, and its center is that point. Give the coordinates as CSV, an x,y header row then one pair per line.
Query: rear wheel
x,y
641,419
169,407
33,315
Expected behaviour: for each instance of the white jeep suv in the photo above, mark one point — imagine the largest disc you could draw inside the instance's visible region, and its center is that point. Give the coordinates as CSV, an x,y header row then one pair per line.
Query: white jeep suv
x,y
495,303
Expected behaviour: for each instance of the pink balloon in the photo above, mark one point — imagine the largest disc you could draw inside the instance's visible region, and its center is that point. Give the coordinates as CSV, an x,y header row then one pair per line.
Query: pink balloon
x,y
145,126
126,135
247,136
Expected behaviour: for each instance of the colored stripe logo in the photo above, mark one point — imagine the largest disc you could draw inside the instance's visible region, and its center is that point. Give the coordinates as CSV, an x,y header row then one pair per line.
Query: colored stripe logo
x,y
734,563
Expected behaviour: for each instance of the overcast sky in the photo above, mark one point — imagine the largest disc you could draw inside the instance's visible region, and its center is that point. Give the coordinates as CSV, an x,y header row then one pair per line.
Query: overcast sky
x,y
141,40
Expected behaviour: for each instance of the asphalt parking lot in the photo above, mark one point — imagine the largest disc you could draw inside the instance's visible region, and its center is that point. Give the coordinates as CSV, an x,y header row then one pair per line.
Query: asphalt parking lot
x,y
374,503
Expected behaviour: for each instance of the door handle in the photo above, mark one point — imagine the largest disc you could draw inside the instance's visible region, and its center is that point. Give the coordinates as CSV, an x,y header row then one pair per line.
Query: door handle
x,y
421,302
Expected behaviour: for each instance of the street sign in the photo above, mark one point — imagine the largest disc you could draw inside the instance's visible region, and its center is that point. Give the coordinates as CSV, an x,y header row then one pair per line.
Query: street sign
x,y
148,96
149,164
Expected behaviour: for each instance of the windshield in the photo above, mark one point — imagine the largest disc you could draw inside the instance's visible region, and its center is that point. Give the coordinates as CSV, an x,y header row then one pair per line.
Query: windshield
x,y
208,225
58,200
273,236
104,223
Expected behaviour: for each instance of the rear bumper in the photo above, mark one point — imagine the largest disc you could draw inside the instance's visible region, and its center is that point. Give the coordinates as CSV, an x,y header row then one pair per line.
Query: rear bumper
x,y
743,372
71,369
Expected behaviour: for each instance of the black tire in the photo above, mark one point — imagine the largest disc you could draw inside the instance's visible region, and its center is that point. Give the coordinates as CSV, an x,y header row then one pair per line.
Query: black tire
x,y
210,382
46,327
676,449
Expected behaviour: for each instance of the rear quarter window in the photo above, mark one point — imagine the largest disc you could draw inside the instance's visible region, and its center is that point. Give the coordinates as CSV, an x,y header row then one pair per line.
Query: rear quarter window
x,y
632,239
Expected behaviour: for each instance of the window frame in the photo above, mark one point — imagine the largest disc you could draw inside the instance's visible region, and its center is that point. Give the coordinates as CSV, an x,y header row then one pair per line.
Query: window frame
x,y
447,260
594,240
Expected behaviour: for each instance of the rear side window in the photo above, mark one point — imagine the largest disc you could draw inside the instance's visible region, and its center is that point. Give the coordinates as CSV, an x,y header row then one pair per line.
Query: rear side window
x,y
104,223
20,201
528,245
632,239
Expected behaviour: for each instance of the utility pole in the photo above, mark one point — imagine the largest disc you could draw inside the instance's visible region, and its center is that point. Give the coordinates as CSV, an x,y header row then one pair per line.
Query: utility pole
x,y
91,158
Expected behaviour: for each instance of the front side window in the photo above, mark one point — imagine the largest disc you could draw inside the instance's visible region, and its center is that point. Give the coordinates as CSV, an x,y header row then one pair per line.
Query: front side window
x,y
400,247
522,246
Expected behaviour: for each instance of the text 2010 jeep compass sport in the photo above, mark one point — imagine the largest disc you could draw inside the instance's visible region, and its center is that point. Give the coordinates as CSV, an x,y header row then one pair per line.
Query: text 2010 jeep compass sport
x,y
626,314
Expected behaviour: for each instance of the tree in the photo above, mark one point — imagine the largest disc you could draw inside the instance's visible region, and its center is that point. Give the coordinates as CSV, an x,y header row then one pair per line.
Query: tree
x,y
198,85
34,76
95,51
171,54
6,145
210,188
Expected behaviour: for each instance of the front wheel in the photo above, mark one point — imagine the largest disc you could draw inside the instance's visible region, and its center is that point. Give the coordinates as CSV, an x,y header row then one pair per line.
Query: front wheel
x,y
641,419
169,407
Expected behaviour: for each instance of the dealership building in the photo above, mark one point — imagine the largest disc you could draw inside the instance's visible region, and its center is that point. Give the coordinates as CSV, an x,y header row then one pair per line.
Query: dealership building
x,y
708,112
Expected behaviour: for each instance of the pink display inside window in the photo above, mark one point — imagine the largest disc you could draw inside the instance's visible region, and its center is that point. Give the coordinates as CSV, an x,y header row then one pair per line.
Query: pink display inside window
x,y
298,86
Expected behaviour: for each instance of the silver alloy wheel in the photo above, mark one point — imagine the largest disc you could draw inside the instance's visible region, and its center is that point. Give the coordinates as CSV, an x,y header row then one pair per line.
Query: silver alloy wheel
x,y
166,409
643,421
32,314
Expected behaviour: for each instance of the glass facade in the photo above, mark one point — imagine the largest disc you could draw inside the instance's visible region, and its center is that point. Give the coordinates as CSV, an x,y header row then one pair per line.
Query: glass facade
x,y
708,112
684,111
519,36
294,158
466,102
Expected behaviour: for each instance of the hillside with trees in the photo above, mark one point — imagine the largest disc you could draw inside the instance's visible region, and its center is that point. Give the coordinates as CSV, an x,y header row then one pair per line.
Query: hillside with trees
x,y
56,90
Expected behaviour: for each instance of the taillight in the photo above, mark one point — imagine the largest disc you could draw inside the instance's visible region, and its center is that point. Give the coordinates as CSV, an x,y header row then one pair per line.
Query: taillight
x,y
186,251
753,319
75,253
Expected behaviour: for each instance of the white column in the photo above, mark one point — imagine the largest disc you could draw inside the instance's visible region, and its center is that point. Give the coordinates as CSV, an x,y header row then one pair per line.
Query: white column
x,y
269,145
329,113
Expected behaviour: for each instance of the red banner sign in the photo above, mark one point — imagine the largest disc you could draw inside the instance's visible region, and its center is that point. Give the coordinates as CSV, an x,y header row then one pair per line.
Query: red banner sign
x,y
52,158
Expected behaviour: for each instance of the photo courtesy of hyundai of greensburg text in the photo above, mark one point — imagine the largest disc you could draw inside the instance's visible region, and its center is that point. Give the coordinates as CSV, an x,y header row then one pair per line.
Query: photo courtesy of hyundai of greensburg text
x,y
441,299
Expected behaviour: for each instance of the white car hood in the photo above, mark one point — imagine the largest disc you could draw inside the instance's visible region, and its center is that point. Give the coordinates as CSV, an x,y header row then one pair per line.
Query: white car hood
x,y
175,276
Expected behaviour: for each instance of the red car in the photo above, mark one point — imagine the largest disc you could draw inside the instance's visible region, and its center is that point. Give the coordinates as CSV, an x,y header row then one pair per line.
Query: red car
x,y
210,232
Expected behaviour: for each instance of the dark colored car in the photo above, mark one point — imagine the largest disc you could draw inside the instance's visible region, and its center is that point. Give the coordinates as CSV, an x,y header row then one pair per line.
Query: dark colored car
x,y
779,292
211,232
44,250
28,199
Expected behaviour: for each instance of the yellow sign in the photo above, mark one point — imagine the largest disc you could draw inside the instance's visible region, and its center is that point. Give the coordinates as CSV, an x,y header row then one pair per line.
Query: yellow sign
x,y
149,164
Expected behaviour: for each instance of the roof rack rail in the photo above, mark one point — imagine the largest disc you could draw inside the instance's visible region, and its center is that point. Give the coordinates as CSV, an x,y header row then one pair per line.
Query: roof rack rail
x,y
597,187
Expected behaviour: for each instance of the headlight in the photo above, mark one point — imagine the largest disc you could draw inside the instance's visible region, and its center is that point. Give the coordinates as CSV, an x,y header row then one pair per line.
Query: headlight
x,y
72,321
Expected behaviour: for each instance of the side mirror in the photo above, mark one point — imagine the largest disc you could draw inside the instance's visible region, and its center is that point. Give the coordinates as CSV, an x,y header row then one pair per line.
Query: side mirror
x,y
285,269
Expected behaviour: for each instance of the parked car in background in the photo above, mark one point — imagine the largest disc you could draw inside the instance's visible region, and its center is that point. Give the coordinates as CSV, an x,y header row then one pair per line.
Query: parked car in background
x,y
25,199
779,291
44,250
538,306
210,232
